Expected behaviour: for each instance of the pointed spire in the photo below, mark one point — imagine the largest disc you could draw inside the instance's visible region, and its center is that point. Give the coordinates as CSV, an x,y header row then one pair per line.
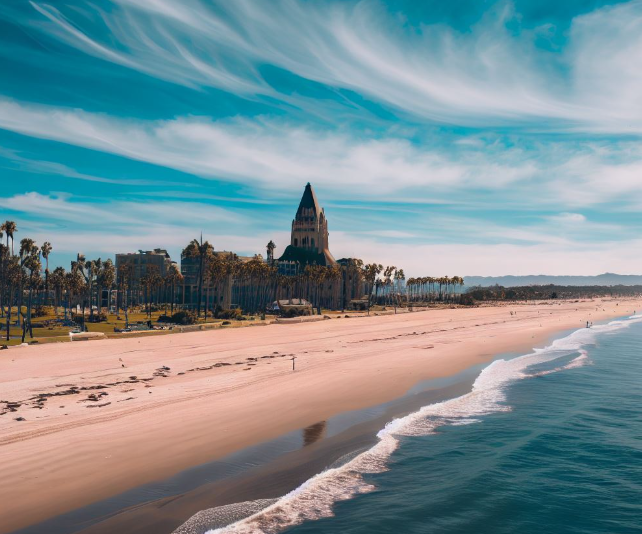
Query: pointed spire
x,y
309,201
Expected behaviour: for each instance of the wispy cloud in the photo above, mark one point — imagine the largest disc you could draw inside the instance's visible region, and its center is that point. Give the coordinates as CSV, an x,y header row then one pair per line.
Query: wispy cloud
x,y
277,155
117,215
490,75
568,218
26,164
421,259
268,153
429,145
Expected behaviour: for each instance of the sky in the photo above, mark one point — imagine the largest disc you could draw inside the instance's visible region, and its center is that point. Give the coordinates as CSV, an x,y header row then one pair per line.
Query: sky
x,y
469,137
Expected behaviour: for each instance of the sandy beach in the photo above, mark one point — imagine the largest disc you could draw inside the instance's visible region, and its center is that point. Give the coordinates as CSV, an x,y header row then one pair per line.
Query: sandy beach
x,y
102,417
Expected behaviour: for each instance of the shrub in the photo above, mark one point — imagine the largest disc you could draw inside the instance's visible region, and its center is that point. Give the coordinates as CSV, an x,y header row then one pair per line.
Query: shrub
x,y
234,315
466,300
42,311
97,318
297,312
183,317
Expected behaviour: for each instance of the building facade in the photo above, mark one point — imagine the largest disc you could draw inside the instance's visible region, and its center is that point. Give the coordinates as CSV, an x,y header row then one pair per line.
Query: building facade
x,y
309,239
222,294
144,262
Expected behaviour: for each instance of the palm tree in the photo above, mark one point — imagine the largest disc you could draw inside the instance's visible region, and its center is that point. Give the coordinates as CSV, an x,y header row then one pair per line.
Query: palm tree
x,y
387,274
150,281
45,250
9,228
58,281
3,253
84,268
352,277
334,274
94,268
457,281
26,247
270,252
172,278
202,251
13,278
370,273
399,279
75,284
219,270
125,275
105,279
32,264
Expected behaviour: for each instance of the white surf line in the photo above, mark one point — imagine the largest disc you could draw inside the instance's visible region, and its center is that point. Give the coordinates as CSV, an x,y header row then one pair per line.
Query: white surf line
x,y
314,499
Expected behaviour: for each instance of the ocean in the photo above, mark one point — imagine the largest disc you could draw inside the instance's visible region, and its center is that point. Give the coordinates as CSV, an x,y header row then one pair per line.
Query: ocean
x,y
547,442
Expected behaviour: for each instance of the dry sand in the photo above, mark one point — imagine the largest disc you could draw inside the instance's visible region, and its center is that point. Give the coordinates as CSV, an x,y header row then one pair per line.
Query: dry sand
x,y
225,390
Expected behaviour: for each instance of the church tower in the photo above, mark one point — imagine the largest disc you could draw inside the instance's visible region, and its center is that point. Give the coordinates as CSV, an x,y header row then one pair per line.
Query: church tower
x,y
309,238
310,227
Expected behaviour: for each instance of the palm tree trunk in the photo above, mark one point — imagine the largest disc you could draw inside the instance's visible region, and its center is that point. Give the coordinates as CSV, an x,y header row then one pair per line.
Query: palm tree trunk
x,y
126,310
26,320
9,306
200,285
29,312
24,329
20,297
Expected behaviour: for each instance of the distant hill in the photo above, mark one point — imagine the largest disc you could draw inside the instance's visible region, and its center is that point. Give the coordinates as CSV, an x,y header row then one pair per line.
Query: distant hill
x,y
606,279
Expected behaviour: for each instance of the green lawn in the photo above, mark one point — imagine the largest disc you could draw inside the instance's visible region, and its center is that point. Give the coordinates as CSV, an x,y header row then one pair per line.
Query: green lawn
x,y
57,333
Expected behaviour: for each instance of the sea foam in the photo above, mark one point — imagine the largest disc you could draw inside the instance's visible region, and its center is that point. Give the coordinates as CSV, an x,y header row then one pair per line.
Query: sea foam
x,y
315,498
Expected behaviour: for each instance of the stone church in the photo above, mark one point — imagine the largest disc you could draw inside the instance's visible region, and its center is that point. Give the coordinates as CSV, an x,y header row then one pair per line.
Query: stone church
x,y
309,238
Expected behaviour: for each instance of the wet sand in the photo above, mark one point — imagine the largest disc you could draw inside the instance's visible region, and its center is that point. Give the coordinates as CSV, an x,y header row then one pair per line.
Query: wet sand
x,y
94,429
266,471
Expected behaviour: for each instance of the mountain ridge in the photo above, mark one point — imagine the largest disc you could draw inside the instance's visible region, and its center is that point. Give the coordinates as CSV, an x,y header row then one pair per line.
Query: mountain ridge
x,y
604,279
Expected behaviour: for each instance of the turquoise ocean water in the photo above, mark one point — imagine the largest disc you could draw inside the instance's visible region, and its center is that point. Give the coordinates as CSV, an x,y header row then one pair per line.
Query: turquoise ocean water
x,y
548,442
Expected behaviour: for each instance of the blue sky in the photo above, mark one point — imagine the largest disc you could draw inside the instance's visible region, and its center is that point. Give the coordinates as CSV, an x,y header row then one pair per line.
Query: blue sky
x,y
464,137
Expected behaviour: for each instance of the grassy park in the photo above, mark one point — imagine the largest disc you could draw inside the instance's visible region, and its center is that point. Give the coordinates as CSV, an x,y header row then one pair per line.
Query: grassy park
x,y
48,328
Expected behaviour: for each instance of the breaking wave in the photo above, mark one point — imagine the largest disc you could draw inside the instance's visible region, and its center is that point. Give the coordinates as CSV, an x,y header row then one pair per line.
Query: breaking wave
x,y
315,498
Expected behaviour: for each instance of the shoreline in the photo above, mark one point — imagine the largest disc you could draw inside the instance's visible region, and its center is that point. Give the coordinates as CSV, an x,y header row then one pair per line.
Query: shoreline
x,y
201,415
264,471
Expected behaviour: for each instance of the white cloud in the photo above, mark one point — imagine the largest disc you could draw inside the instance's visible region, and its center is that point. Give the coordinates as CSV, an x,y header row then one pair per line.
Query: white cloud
x,y
570,258
417,259
394,234
568,218
487,76
267,153
277,156
58,169
74,224
103,228
117,215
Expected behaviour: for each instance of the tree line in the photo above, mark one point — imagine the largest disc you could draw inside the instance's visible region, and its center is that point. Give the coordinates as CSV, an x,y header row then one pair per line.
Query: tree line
x,y
20,277
551,291
221,279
